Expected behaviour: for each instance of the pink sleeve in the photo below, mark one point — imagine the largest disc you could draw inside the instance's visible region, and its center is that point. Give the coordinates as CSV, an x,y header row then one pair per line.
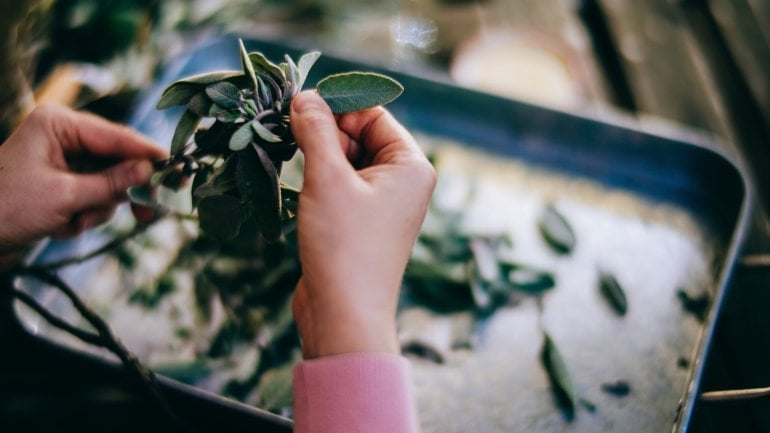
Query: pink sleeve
x,y
354,393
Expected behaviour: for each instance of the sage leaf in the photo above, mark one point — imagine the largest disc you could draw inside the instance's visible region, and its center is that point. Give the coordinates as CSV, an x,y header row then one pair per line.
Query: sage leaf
x,y
200,179
184,130
177,94
305,64
182,91
556,231
264,133
224,94
257,181
560,377
221,216
200,104
355,91
141,195
223,115
248,68
613,292
220,181
241,138
263,65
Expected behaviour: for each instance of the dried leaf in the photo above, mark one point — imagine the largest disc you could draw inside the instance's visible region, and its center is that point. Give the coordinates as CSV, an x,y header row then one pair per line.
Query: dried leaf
x,y
613,292
560,377
184,130
355,91
556,230
241,138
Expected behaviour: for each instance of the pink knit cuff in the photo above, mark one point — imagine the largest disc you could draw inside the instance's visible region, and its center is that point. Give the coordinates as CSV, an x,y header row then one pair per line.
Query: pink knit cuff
x,y
354,393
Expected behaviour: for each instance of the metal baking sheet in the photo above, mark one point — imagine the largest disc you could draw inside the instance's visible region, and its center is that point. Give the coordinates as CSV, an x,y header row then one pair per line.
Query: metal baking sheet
x,y
664,211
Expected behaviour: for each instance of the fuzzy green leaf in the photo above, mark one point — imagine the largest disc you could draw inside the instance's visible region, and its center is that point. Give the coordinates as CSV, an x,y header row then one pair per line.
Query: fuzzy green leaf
x,y
355,91
248,68
263,65
221,216
305,64
560,377
177,94
241,138
613,292
257,181
220,181
182,91
264,133
223,94
184,130
556,231
200,104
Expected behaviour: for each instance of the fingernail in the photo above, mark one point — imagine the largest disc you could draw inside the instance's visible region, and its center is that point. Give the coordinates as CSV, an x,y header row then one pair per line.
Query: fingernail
x,y
307,101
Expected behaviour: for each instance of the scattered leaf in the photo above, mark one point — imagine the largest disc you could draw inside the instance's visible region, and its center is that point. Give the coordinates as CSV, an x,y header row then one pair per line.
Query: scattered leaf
x,y
527,279
355,91
620,388
556,231
613,292
697,306
560,377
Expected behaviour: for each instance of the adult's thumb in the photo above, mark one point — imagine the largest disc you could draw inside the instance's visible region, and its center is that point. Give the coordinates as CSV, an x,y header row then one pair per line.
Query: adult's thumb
x,y
315,129
110,185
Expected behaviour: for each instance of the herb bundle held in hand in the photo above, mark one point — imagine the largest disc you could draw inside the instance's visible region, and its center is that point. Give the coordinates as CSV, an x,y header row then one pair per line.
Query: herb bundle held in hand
x,y
237,160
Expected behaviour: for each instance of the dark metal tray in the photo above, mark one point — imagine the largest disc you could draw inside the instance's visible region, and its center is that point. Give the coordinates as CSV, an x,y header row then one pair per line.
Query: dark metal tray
x,y
678,169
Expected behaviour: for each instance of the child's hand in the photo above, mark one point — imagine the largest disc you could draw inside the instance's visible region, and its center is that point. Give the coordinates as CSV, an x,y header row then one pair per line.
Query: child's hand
x,y
366,191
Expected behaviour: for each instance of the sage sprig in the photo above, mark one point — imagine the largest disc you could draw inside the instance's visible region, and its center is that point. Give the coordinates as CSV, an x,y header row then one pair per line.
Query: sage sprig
x,y
236,160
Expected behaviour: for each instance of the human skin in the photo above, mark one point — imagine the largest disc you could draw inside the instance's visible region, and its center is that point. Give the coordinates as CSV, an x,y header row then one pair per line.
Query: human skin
x,y
366,190
63,171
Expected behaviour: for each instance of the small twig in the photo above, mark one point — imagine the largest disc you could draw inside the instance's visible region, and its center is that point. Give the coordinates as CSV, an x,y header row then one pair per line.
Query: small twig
x,y
112,244
735,394
107,339
29,301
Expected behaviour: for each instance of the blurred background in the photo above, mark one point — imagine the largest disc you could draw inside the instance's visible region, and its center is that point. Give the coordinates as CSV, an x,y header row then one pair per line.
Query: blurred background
x,y
660,64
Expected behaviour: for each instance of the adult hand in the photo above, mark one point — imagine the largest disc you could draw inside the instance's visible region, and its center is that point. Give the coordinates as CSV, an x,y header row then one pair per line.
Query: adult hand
x,y
63,171
366,190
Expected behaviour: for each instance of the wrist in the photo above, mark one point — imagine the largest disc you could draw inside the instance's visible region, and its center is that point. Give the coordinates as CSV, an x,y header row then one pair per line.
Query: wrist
x,y
343,328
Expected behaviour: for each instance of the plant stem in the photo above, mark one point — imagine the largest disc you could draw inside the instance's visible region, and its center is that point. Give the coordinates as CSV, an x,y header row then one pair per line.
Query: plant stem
x,y
29,301
105,336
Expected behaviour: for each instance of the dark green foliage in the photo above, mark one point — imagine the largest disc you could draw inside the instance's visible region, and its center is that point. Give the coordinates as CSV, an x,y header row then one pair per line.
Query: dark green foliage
x,y
560,377
556,231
